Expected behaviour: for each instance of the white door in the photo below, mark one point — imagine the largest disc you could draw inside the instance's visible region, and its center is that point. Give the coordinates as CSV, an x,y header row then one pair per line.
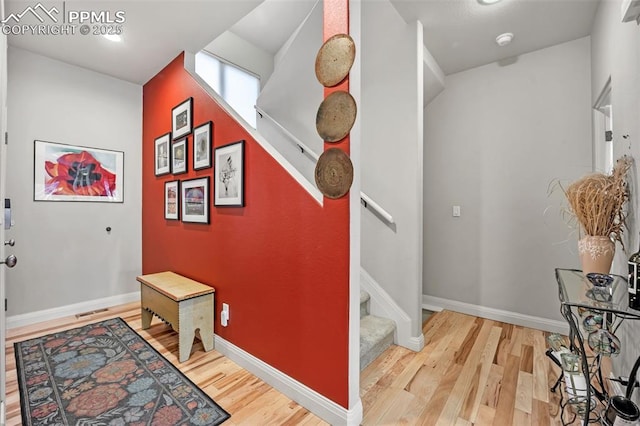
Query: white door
x,y
3,151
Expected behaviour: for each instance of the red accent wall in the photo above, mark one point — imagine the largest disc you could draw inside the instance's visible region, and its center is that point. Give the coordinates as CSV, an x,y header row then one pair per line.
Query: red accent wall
x,y
281,262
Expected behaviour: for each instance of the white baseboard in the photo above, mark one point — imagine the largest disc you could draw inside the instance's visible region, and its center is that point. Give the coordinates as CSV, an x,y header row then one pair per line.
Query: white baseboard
x,y
381,304
68,310
318,404
437,304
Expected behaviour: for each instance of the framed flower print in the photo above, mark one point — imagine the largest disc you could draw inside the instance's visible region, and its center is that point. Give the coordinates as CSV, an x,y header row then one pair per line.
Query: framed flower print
x,y
77,173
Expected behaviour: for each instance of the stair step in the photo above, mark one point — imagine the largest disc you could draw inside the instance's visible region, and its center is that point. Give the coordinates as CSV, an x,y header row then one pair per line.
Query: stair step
x,y
364,303
376,335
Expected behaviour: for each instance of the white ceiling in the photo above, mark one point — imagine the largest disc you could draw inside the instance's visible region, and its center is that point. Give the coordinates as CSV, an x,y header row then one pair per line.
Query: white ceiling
x,y
155,32
460,34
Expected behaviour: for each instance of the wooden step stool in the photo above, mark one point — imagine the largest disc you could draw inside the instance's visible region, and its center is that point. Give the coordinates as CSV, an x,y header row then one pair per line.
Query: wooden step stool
x,y
185,304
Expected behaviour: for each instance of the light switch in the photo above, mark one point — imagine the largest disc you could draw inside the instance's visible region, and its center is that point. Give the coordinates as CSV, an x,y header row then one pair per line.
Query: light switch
x,y
456,211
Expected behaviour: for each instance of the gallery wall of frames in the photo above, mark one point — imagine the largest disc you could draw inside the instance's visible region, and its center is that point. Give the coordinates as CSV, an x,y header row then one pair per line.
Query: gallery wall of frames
x,y
188,199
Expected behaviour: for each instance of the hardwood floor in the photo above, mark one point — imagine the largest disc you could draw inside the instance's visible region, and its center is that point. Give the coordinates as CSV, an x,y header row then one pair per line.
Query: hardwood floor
x,y
249,400
471,372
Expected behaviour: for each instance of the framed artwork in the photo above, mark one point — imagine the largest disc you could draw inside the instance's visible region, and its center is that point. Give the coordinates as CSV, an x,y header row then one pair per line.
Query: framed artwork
x,y
195,200
77,173
163,154
181,123
172,200
202,138
229,173
179,157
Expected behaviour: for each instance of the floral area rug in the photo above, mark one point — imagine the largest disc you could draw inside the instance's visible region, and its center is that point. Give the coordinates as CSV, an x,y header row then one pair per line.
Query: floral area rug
x,y
106,374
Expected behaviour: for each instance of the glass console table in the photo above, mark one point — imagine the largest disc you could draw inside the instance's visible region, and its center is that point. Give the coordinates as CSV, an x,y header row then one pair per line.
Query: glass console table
x,y
579,296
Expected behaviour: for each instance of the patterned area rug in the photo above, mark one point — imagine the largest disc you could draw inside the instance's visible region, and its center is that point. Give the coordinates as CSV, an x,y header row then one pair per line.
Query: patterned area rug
x,y
106,374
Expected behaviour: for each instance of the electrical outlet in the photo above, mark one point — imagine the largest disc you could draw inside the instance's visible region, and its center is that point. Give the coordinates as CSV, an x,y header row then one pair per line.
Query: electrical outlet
x,y
224,315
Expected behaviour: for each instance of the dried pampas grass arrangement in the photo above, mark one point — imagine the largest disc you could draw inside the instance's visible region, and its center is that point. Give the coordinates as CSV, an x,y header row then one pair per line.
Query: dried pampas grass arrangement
x,y
597,201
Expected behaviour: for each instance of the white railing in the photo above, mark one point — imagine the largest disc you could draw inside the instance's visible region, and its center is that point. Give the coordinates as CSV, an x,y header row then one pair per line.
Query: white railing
x,y
370,204
364,198
303,148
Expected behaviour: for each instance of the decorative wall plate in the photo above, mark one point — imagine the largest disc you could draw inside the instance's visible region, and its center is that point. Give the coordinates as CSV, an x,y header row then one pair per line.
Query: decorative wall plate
x,y
334,173
334,59
336,115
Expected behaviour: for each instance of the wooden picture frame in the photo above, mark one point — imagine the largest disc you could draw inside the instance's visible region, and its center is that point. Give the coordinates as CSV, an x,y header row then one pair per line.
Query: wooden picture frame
x,y
194,200
162,156
181,119
202,142
172,200
229,173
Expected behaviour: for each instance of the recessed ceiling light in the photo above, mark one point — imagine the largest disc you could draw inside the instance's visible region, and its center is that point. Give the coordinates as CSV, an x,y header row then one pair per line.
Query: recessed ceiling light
x,y
504,39
488,1
112,37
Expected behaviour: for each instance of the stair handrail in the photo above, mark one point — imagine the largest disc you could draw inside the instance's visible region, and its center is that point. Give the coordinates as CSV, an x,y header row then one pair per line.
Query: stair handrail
x,y
304,148
369,203
366,200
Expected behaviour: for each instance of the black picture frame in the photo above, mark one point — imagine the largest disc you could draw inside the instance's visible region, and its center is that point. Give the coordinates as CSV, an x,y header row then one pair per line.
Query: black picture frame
x,y
229,175
162,156
179,156
194,200
182,119
172,200
202,143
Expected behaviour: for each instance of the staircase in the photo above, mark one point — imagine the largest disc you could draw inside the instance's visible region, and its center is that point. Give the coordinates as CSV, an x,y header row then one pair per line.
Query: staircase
x,y
376,333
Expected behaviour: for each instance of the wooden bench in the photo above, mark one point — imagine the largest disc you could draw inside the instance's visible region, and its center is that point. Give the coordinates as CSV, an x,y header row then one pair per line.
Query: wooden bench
x,y
185,304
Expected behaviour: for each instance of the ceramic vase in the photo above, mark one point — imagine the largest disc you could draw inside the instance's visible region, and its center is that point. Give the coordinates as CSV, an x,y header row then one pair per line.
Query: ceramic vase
x,y
596,254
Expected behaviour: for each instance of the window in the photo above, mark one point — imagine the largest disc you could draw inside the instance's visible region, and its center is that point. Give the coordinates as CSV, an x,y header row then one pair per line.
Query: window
x,y
238,87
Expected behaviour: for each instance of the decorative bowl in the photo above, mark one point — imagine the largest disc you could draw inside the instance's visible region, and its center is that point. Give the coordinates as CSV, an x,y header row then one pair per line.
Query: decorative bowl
x,y
599,280
592,321
604,343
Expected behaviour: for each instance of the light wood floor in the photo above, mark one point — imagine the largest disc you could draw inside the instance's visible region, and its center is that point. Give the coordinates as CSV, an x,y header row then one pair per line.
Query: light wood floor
x,y
471,372
249,400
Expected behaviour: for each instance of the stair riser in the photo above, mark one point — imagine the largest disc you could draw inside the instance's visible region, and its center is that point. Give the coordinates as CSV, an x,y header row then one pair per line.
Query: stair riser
x,y
375,351
364,308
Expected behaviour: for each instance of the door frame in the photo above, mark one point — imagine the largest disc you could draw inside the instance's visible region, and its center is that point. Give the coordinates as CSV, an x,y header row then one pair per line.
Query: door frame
x,y
3,168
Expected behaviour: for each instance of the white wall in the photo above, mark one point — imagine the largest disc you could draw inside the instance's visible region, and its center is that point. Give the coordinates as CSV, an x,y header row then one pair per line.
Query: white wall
x,y
293,94
65,255
240,52
495,139
615,52
391,120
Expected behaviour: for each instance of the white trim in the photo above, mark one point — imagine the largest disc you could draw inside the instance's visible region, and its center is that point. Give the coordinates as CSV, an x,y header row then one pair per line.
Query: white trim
x,y
382,305
190,67
355,413
68,310
416,342
318,404
437,304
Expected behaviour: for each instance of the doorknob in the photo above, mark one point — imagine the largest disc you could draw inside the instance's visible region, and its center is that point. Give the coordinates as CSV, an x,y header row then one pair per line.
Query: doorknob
x,y
10,261
11,242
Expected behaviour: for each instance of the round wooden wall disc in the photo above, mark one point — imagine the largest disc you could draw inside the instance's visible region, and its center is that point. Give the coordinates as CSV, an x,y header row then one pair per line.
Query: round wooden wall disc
x,y
334,59
334,173
336,116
